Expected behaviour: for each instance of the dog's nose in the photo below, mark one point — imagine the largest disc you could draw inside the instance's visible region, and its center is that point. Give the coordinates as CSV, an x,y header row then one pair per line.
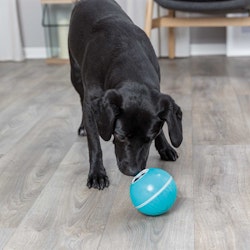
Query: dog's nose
x,y
126,169
129,172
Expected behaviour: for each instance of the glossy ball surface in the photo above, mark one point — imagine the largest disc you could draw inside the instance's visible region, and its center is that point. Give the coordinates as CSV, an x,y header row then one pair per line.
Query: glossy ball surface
x,y
153,191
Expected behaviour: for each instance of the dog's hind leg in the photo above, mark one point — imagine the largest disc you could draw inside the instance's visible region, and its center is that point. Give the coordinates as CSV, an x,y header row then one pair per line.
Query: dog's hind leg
x,y
166,152
81,129
76,80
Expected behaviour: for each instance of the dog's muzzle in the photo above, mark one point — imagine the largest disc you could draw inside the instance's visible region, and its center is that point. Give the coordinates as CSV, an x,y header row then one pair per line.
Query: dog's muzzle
x,y
129,170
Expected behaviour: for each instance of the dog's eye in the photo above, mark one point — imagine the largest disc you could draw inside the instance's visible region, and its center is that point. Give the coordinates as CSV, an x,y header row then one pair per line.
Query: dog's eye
x,y
179,114
120,138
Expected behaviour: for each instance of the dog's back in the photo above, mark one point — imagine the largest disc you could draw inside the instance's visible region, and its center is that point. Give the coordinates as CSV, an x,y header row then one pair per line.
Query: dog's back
x,y
99,28
86,16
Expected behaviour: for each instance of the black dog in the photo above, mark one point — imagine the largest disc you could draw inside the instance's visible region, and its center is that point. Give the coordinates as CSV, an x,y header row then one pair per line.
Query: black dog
x,y
116,73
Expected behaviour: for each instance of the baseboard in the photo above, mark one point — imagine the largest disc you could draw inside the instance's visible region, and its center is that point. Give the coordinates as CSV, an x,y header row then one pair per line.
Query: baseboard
x,y
238,52
208,49
195,50
35,52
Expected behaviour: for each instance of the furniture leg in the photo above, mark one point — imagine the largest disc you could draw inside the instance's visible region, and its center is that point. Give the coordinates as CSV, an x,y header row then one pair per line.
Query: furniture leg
x,y
171,37
149,17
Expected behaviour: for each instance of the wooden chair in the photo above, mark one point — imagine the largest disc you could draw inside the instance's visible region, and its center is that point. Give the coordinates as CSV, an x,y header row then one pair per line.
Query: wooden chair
x,y
199,6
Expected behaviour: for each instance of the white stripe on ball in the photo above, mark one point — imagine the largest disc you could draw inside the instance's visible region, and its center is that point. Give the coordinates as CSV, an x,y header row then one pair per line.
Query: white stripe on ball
x,y
155,195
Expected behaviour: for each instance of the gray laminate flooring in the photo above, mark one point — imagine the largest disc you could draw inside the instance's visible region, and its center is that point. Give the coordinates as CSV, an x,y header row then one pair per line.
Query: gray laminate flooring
x,y
44,201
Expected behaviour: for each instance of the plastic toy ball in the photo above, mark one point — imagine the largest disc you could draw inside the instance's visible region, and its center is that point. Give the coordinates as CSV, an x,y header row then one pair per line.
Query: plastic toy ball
x,y
153,191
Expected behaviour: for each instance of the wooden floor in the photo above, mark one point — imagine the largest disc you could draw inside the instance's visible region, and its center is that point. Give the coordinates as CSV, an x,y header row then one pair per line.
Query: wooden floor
x,y
44,201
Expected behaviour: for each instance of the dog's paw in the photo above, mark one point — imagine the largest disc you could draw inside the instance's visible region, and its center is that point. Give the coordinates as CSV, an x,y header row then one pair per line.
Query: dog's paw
x,y
98,180
82,131
168,154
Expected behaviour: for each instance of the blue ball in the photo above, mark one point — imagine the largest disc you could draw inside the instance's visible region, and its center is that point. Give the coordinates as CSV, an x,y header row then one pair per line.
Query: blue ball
x,y
153,191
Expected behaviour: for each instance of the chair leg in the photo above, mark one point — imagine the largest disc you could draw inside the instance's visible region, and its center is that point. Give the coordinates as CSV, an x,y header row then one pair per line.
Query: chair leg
x,y
171,43
149,17
171,38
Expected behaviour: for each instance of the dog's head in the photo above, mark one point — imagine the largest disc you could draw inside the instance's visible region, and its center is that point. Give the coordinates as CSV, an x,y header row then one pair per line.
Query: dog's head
x,y
134,126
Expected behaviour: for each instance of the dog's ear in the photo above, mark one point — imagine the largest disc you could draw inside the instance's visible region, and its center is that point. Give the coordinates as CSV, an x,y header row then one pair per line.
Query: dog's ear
x,y
109,107
170,112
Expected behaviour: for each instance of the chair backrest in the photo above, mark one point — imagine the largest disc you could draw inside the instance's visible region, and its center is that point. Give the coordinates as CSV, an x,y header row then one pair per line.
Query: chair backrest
x,y
206,6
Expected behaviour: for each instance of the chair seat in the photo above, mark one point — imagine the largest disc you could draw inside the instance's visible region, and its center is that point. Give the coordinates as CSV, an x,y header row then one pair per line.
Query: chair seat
x,y
206,6
171,21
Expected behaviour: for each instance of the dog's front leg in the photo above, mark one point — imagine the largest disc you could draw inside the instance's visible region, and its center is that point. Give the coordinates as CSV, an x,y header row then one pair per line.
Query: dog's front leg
x,y
166,152
97,177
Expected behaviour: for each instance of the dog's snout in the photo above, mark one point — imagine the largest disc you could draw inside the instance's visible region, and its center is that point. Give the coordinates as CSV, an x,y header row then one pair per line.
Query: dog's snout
x,y
128,169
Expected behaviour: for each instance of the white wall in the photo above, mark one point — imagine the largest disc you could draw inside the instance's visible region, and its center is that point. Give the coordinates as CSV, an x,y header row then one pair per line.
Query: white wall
x,y
30,14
